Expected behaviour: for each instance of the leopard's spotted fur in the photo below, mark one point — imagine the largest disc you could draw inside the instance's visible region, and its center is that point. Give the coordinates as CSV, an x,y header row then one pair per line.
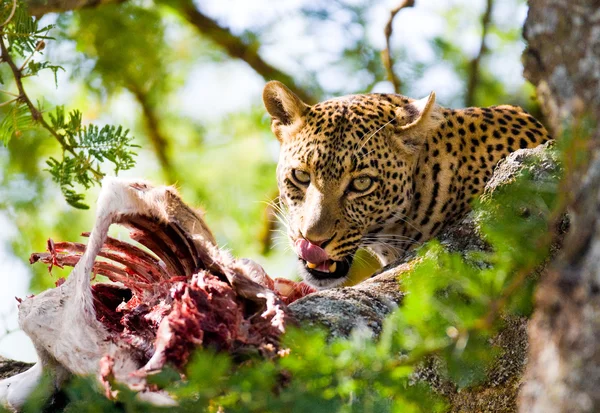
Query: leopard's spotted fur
x,y
425,163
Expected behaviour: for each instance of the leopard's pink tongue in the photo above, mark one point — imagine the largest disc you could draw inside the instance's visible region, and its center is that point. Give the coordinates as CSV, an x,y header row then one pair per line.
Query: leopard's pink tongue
x,y
310,252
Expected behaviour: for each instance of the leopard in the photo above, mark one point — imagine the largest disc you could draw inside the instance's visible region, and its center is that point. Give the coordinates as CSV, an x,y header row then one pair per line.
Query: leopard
x,y
382,171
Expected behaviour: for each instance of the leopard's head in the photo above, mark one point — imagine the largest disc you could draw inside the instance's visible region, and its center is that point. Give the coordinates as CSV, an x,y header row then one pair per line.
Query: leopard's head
x,y
345,171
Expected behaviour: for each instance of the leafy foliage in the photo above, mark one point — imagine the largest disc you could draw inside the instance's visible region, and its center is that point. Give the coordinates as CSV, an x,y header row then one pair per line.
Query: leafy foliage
x,y
15,122
84,148
104,37
23,33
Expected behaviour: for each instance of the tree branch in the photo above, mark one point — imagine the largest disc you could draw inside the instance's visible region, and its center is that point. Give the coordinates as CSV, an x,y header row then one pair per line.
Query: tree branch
x,y
386,55
35,112
159,142
476,62
38,8
237,47
11,14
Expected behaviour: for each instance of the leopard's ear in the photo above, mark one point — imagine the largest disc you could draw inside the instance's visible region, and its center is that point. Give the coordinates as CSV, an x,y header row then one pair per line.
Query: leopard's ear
x,y
286,109
414,121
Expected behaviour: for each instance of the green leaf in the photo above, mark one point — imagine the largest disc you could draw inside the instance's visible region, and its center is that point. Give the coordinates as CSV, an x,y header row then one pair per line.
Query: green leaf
x,y
33,68
87,147
17,121
23,32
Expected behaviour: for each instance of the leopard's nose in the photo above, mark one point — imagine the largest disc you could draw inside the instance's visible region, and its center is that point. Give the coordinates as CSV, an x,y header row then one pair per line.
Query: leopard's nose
x,y
318,243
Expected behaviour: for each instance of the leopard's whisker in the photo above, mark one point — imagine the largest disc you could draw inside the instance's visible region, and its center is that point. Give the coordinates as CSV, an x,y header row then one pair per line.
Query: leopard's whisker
x,y
373,134
405,219
396,252
390,237
279,212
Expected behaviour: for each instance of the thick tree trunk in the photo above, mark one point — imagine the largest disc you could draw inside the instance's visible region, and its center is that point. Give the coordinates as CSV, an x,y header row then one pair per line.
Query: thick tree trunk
x,y
563,61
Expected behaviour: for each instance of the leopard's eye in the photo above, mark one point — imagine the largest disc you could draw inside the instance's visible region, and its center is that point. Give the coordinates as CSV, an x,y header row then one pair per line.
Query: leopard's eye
x,y
301,177
361,184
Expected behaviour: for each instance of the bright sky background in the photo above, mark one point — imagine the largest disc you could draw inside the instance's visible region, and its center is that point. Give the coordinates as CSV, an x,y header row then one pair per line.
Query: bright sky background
x,y
215,89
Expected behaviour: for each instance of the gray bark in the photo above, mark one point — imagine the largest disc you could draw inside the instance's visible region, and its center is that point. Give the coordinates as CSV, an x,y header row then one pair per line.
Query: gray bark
x,y
563,61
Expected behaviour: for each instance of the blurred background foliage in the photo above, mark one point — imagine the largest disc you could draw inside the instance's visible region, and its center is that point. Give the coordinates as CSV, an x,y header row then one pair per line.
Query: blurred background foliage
x,y
185,78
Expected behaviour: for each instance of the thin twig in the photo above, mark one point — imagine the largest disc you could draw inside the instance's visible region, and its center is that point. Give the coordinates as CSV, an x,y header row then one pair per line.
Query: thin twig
x,y
386,54
9,93
9,102
39,46
36,114
476,62
11,15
